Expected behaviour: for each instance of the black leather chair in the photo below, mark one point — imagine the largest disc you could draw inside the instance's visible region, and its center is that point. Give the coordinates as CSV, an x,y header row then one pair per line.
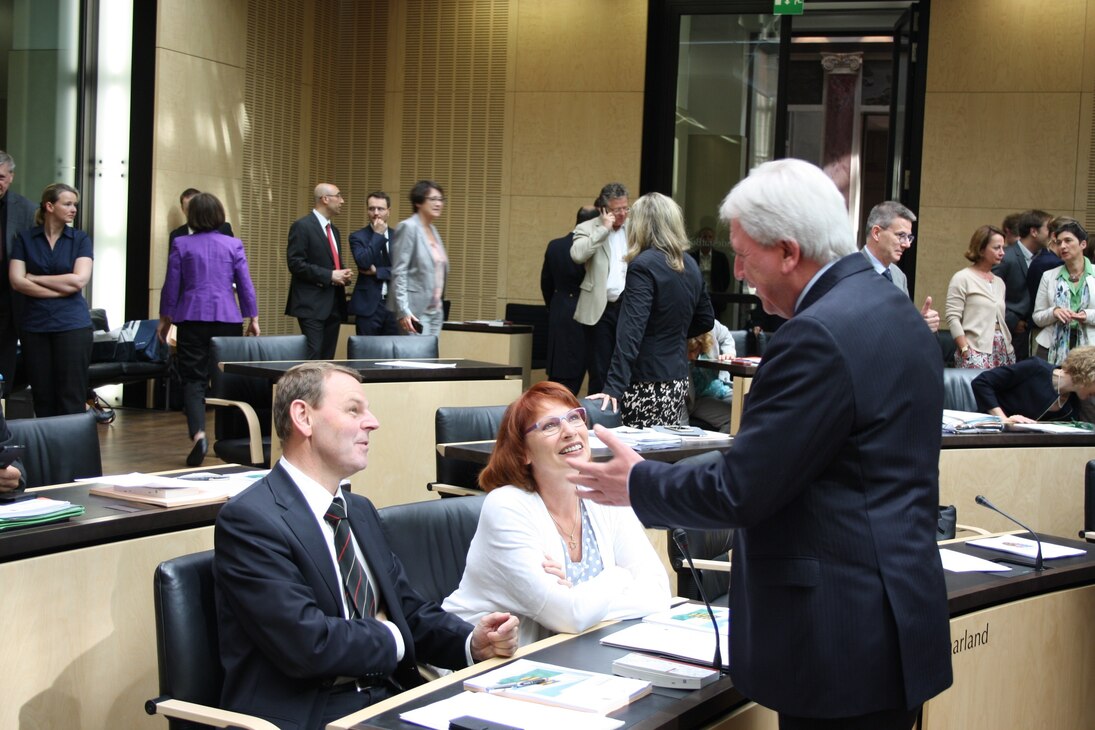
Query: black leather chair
x,y
60,449
191,677
958,389
466,423
537,316
480,423
385,347
431,539
243,422
710,550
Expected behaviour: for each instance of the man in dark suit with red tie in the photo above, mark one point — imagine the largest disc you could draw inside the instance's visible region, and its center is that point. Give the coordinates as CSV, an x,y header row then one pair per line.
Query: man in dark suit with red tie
x,y
317,291
370,248
315,614
838,603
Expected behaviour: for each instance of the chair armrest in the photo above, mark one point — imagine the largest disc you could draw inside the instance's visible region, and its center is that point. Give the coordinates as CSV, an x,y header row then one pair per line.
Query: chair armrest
x,y
194,712
1089,535
254,430
453,490
722,566
971,528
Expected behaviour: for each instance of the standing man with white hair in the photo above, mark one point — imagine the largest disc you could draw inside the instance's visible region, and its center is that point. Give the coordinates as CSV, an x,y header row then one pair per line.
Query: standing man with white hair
x,y
837,591
16,214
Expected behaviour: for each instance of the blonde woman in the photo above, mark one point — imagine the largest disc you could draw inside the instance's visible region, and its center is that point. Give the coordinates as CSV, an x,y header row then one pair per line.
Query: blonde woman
x,y
664,303
975,305
50,266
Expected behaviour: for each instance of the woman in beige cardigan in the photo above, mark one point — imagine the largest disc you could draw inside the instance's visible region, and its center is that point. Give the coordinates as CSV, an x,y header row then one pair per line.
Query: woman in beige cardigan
x,y
975,305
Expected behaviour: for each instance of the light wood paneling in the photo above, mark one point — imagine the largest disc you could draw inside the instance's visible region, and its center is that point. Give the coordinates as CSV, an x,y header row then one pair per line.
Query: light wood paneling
x,y
577,45
1007,45
208,29
1026,664
526,250
83,653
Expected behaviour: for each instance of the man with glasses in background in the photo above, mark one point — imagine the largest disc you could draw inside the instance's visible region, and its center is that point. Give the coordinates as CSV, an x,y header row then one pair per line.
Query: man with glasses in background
x,y
889,235
601,244
317,290
371,252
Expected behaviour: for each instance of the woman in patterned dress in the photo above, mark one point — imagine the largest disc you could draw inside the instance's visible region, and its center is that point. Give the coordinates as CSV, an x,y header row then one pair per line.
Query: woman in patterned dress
x,y
559,562
975,305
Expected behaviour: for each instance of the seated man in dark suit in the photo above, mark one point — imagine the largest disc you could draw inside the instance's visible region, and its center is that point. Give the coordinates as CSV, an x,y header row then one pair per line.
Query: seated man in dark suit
x,y
310,632
184,229
836,589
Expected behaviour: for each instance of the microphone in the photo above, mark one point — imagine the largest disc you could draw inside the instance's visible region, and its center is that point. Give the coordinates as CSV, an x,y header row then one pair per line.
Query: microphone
x,y
680,537
1039,566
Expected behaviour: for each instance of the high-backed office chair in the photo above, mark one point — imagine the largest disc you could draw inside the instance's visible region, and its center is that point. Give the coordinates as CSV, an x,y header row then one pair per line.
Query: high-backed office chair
x,y
958,389
243,422
431,539
465,423
191,677
384,347
537,316
60,449
710,550
480,423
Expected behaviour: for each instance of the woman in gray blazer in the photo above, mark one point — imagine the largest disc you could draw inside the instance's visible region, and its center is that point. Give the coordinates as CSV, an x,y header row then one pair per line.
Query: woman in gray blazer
x,y
419,264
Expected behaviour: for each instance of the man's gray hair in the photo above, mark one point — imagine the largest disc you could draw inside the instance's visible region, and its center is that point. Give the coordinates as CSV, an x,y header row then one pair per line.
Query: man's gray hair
x,y
792,200
7,161
883,214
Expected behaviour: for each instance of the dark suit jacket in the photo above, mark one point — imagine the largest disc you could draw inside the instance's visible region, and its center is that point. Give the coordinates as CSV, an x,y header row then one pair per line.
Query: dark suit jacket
x,y
837,597
1017,299
661,309
20,217
560,285
311,293
720,269
184,230
283,638
368,249
1042,262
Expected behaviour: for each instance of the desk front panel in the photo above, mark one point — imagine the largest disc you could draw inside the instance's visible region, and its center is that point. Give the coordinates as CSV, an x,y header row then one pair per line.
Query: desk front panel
x,y
78,648
1025,664
401,451
1044,487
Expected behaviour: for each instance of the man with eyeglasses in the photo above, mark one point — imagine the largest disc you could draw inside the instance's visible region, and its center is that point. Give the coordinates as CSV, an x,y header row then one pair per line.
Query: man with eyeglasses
x,y
601,244
889,235
317,290
371,252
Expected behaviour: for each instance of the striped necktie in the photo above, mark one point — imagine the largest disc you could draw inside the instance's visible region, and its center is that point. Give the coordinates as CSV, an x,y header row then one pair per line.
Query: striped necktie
x,y
359,594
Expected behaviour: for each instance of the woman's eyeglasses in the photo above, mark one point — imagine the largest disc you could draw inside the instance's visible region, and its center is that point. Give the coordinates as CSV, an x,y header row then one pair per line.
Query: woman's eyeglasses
x,y
550,426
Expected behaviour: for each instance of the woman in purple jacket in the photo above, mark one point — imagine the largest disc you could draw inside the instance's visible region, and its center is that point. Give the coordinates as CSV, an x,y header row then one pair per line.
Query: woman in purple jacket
x,y
198,298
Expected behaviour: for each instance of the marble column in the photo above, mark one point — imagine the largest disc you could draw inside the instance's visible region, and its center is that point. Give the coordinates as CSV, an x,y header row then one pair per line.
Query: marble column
x,y
842,72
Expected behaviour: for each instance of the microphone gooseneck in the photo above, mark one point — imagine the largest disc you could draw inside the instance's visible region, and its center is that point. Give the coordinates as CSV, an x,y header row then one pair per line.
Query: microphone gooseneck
x,y
680,537
1038,563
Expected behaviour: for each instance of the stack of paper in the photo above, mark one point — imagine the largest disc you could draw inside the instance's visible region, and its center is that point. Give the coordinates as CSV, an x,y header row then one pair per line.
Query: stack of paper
x,y
36,512
684,633
645,439
505,712
970,422
548,684
1025,547
180,491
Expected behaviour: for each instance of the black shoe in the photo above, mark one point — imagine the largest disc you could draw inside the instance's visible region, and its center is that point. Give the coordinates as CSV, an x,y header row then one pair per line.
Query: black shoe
x,y
197,454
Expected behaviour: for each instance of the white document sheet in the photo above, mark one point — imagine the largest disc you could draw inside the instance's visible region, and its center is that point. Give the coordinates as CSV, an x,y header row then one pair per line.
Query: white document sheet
x,y
517,713
957,562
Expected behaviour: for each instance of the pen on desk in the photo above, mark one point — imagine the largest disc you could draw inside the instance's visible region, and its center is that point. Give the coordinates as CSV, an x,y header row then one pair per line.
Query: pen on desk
x,y
522,683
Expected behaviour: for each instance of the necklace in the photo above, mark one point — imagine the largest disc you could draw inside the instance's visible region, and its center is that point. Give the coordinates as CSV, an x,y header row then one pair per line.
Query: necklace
x,y
571,542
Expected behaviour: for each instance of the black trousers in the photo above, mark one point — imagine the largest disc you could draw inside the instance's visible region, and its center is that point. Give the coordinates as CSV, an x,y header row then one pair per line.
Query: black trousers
x,y
192,355
57,365
380,322
884,720
600,346
321,336
9,337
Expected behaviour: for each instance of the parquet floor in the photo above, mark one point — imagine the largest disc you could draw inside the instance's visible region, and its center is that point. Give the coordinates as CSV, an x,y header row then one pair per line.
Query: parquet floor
x,y
148,440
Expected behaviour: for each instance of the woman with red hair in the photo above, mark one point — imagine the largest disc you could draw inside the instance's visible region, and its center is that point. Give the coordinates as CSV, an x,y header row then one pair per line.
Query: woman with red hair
x,y
559,562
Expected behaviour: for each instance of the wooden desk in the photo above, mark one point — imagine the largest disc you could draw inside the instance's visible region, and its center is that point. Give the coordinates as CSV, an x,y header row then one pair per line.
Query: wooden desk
x,y
503,343
405,400
1034,670
742,380
79,644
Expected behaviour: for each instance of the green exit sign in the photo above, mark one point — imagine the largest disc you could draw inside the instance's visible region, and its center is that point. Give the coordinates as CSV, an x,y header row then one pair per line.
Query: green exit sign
x,y
787,7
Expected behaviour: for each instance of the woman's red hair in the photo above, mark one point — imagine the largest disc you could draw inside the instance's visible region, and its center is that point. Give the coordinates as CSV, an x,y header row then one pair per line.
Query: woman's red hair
x,y
508,462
